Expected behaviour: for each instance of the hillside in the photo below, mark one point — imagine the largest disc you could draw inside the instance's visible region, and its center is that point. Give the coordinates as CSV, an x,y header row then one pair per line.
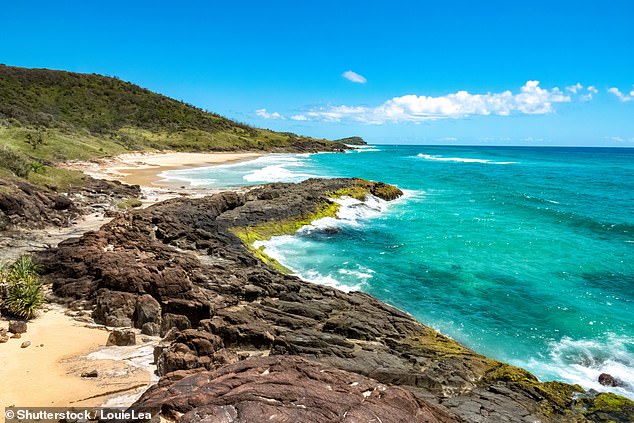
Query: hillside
x,y
81,116
47,116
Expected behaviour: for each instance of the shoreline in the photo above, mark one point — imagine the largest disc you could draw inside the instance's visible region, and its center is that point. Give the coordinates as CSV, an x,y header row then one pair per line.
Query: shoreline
x,y
65,343
144,168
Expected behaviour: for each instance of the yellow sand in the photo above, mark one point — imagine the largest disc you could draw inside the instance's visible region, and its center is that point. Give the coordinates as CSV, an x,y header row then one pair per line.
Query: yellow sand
x,y
48,372
144,168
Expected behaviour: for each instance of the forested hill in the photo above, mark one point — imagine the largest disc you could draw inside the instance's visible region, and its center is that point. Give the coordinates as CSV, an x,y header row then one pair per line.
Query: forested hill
x,y
105,115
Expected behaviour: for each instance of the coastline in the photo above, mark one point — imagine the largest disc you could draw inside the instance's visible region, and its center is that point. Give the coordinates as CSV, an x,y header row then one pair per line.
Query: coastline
x,y
63,347
144,168
478,365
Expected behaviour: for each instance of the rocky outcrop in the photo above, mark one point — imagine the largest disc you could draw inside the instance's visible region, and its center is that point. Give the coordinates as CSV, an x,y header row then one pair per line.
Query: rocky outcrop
x,y
179,268
284,389
352,141
23,205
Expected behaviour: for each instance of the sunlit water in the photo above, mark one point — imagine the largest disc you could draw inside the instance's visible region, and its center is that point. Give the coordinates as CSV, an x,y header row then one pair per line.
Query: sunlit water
x,y
522,254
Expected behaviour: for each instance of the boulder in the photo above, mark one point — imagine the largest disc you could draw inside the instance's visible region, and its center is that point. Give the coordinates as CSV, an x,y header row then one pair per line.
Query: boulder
x,y
147,310
606,379
17,326
121,337
90,374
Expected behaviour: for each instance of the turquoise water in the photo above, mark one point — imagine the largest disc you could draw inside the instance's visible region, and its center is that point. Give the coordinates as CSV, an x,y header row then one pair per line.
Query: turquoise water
x,y
522,254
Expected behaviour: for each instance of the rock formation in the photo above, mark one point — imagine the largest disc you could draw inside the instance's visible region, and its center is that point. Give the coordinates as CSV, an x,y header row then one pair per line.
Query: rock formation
x,y
180,268
27,206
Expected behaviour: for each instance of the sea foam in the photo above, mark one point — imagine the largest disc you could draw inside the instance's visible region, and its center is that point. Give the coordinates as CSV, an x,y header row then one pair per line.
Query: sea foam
x,y
581,361
352,213
460,159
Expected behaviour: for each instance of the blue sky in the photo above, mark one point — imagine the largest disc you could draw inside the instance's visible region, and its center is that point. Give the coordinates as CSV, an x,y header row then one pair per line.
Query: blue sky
x,y
426,72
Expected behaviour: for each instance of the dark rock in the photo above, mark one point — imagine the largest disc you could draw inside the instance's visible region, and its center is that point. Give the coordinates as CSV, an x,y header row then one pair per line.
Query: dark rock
x,y
61,202
284,389
90,374
25,205
114,308
25,344
177,321
609,380
151,329
17,326
121,337
28,206
218,304
3,338
148,312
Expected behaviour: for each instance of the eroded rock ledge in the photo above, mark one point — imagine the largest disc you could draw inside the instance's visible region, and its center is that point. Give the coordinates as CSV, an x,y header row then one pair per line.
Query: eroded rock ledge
x,y
178,269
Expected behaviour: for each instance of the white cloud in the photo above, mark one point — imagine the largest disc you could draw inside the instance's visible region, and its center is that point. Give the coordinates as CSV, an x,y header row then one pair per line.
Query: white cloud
x,y
299,117
266,115
354,77
593,89
620,95
574,88
621,139
532,99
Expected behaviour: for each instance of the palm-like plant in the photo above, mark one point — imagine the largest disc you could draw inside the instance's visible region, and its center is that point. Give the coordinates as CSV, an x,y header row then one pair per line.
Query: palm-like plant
x,y
23,268
24,295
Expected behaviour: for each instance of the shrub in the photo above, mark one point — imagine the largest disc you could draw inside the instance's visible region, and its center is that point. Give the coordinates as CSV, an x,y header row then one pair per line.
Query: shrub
x,y
129,203
25,293
22,269
25,297
37,167
15,162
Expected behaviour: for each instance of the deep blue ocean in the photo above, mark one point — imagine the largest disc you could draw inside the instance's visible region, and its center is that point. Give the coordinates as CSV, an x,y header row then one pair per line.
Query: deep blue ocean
x,y
523,254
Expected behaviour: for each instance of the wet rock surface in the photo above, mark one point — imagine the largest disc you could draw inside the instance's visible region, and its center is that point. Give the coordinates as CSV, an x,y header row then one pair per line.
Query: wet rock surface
x,y
177,268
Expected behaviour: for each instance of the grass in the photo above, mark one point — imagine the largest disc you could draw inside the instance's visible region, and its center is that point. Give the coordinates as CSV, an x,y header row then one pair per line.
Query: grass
x,y
129,203
57,115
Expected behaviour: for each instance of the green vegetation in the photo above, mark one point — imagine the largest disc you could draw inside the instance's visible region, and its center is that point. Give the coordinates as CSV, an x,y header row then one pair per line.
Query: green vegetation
x,y
25,293
608,401
59,115
129,203
352,141
264,231
49,116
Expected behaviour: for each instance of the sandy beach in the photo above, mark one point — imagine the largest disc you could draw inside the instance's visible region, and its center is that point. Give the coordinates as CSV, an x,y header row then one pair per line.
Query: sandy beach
x,y
144,168
63,348
48,372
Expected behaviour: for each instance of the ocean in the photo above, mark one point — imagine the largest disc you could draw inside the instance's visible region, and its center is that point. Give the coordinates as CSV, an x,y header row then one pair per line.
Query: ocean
x,y
524,254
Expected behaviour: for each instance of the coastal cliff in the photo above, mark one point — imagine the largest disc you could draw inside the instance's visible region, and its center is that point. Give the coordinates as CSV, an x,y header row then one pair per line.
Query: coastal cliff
x,y
244,339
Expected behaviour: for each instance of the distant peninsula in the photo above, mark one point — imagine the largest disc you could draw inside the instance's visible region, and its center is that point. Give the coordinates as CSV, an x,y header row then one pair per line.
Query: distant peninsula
x,y
352,141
